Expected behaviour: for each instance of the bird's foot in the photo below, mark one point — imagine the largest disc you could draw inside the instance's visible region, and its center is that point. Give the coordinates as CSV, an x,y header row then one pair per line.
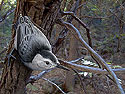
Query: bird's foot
x,y
9,56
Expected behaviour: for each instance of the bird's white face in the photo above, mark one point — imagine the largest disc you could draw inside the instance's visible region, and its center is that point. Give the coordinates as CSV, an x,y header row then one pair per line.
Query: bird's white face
x,y
41,63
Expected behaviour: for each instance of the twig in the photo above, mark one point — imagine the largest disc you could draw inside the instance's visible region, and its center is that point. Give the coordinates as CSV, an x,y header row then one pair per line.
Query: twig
x,y
81,5
71,65
83,24
54,84
76,60
64,31
7,14
32,79
93,53
116,16
40,76
121,5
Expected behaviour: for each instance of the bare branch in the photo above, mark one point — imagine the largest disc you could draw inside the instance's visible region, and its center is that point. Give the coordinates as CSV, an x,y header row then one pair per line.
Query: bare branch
x,y
92,52
54,85
83,24
64,31
116,16
71,65
32,79
76,60
40,76
6,15
80,6
121,5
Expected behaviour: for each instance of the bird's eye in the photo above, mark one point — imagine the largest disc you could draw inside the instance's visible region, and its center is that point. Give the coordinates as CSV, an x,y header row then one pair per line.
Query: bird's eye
x,y
47,62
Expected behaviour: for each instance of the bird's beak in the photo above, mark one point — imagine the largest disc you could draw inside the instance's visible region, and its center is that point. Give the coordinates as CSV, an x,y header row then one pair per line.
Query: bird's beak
x,y
62,67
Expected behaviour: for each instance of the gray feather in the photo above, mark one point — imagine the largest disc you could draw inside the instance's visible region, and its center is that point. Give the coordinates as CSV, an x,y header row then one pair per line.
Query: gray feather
x,y
29,39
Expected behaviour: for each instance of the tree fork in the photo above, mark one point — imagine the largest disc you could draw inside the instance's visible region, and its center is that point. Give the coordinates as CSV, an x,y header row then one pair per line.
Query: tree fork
x,y
44,14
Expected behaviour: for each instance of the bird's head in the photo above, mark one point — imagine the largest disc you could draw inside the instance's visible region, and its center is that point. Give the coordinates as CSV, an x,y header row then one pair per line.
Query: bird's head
x,y
46,60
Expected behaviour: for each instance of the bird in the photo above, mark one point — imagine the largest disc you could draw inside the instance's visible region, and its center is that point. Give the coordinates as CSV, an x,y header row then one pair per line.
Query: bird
x,y
33,46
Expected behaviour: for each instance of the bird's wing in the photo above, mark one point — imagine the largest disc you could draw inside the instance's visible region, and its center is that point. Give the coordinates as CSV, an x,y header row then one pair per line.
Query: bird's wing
x,y
31,45
30,40
21,31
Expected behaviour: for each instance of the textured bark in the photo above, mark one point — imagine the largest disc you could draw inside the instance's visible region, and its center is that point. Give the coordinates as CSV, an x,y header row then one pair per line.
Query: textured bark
x,y
44,14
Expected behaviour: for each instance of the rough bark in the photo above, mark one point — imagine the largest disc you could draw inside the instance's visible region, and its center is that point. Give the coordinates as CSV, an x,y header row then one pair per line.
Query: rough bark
x,y
44,14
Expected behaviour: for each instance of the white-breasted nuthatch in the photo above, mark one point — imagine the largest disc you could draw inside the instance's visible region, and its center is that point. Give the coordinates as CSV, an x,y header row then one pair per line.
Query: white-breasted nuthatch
x,y
33,47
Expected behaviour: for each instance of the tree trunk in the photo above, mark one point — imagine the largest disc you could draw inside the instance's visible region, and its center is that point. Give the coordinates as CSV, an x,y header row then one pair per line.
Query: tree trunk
x,y
121,26
70,82
73,54
44,14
